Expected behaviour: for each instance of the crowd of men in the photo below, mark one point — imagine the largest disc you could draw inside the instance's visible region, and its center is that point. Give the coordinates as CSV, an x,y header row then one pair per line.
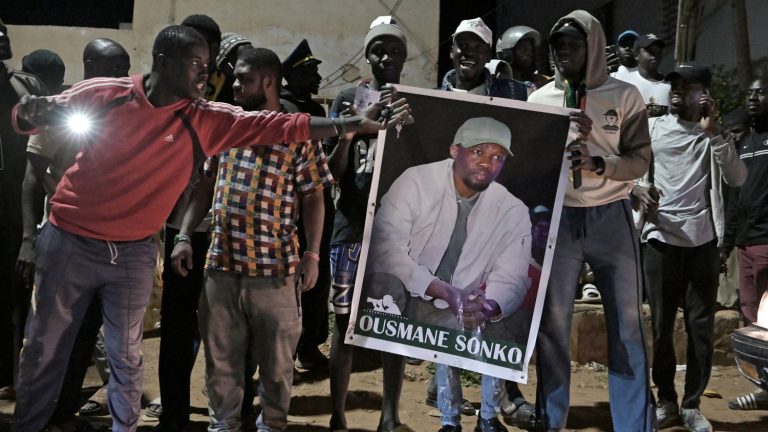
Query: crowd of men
x,y
235,168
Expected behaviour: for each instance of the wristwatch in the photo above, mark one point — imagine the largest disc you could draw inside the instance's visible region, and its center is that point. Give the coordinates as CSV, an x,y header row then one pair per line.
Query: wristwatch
x,y
599,164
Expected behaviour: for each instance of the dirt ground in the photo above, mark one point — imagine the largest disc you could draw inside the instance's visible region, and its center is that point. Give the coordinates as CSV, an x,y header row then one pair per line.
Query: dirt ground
x,y
310,407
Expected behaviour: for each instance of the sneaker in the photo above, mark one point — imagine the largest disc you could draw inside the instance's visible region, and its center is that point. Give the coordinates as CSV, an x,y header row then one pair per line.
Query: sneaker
x,y
311,359
490,425
666,413
450,428
695,421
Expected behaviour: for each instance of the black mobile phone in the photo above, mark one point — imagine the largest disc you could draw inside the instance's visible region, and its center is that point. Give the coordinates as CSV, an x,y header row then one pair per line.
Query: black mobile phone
x,y
703,108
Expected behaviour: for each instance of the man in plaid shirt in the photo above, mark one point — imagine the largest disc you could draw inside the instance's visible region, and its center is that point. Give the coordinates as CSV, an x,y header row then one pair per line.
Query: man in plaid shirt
x,y
250,307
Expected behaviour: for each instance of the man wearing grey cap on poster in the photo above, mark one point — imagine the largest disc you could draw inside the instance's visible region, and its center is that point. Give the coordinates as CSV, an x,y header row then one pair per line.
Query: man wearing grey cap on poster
x,y
450,275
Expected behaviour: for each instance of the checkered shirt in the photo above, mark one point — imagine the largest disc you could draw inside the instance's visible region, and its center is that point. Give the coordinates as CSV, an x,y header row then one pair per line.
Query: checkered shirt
x,y
256,205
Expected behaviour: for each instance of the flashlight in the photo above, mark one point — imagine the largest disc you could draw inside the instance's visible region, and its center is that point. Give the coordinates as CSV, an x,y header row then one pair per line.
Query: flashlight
x,y
78,123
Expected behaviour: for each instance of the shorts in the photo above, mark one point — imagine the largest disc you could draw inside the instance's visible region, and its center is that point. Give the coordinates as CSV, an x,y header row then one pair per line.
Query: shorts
x,y
344,260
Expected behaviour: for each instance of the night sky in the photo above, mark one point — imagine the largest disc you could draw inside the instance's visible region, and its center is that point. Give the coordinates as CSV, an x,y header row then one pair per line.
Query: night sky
x,y
68,13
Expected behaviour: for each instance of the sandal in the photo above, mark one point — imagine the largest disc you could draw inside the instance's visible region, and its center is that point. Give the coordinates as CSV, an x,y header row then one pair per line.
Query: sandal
x,y
590,294
97,404
750,401
154,411
523,416
8,393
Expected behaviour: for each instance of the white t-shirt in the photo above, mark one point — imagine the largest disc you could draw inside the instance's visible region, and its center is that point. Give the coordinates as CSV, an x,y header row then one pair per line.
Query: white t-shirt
x,y
655,93
623,71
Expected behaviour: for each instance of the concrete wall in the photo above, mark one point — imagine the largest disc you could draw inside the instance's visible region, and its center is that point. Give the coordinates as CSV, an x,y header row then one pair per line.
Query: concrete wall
x,y
334,28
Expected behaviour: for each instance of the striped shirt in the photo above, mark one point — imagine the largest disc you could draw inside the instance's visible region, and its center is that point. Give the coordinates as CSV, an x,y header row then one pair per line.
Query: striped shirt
x,y
256,205
138,157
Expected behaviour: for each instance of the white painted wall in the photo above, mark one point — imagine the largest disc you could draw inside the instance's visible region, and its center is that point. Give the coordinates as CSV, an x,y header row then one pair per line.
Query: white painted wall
x,y
334,28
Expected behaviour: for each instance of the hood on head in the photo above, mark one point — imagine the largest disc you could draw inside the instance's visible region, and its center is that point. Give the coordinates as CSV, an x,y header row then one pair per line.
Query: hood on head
x,y
596,72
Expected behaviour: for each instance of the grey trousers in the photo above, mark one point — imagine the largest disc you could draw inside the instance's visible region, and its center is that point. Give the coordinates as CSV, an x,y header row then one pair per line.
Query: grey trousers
x,y
604,237
256,317
71,270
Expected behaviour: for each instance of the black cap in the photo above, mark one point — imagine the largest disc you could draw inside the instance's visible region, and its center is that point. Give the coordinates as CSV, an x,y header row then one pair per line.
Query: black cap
x,y
646,40
692,73
46,65
569,27
301,56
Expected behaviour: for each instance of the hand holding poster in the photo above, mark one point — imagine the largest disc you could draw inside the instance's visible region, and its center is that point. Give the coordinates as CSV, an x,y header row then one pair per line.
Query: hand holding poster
x,y
463,214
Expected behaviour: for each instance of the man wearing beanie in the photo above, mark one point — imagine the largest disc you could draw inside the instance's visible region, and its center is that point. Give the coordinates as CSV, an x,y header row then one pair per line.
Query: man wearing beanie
x,y
222,78
47,66
351,160
595,226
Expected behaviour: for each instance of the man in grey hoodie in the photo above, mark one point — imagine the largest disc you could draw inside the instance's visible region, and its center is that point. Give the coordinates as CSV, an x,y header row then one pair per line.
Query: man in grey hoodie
x,y
596,225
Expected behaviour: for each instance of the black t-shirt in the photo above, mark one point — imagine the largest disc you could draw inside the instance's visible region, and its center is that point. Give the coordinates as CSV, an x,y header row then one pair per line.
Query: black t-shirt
x,y
13,147
355,182
747,221
294,104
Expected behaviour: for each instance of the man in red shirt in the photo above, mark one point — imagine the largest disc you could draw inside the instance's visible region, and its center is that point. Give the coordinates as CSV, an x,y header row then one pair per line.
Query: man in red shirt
x,y
148,132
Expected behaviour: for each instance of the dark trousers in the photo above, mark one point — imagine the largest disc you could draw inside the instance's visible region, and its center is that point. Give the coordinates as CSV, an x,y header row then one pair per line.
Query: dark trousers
x,y
179,334
604,237
314,319
14,296
690,274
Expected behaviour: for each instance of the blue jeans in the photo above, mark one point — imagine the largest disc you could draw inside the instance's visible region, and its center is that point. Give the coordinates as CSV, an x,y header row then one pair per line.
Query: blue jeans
x,y
448,378
604,237
71,271
449,394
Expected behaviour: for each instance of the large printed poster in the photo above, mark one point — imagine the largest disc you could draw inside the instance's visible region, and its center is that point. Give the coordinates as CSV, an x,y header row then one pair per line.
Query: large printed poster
x,y
426,244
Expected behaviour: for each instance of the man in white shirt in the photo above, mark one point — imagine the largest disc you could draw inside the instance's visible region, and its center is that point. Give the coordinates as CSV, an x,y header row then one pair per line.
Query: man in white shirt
x,y
649,50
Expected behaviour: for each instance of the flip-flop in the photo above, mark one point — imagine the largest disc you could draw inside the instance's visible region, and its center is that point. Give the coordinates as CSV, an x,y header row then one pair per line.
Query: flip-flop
x,y
590,294
96,405
154,411
750,401
523,417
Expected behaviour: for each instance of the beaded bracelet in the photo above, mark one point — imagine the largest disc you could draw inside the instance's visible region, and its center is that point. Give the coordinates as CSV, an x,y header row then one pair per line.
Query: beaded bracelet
x,y
313,255
181,238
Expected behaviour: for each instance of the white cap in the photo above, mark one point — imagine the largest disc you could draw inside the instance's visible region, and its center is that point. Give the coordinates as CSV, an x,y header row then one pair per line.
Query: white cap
x,y
476,26
480,130
384,19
